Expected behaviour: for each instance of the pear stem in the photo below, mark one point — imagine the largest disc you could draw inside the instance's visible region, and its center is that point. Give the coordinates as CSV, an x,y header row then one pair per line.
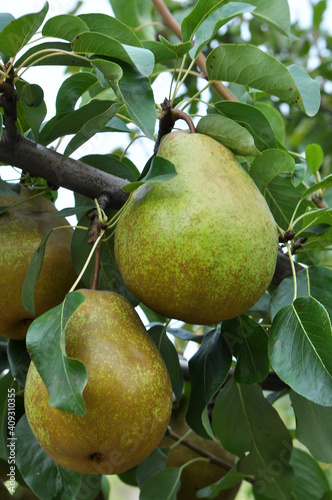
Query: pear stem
x,y
96,270
178,114
206,454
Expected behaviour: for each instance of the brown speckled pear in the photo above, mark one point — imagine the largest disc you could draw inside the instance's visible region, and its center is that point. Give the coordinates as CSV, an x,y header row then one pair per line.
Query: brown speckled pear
x,y
201,247
200,473
128,396
22,228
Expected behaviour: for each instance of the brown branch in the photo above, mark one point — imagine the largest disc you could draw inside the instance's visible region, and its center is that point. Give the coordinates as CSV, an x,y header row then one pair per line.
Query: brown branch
x,y
74,175
201,60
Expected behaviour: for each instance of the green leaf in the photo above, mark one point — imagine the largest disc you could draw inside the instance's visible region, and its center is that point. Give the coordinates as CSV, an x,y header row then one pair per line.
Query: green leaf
x,y
275,119
323,184
112,165
135,14
208,368
248,343
64,26
33,105
32,275
251,118
313,282
162,53
160,170
207,18
96,113
91,127
232,478
72,89
66,58
318,13
275,13
300,349
8,189
327,495
138,97
103,45
18,32
154,463
270,164
250,66
47,479
45,343
229,133
111,71
19,360
179,50
6,382
313,427
310,480
252,429
314,157
164,485
170,357
102,23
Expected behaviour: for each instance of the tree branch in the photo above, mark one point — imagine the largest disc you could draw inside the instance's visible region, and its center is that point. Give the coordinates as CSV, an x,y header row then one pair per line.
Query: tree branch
x,y
200,61
74,175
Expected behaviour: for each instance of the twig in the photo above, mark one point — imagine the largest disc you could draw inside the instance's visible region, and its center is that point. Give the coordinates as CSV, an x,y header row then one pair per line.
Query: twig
x,y
200,60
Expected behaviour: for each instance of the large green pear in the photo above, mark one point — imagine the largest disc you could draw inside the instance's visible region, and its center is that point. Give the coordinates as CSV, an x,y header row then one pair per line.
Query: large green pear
x,y
201,247
198,474
128,396
22,228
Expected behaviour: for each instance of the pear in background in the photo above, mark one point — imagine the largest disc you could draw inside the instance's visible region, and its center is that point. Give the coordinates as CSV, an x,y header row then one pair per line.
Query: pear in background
x,y
21,230
202,246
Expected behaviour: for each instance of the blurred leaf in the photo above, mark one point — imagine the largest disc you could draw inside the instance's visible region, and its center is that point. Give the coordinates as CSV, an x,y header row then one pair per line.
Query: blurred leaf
x,y
314,157
161,170
8,189
318,13
251,118
300,349
33,95
323,184
275,13
313,282
310,480
208,368
72,89
46,345
248,343
261,71
248,426
64,26
135,14
163,485
229,133
16,34
313,427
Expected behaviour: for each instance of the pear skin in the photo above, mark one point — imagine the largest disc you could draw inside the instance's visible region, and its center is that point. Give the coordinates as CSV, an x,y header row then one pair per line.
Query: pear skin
x,y
22,228
128,396
202,246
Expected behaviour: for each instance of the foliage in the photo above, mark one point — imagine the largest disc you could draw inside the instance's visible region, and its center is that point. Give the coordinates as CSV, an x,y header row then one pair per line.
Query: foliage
x,y
277,121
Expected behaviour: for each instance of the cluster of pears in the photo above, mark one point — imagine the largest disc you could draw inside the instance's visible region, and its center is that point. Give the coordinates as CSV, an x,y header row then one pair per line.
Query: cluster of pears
x,y
202,246
21,230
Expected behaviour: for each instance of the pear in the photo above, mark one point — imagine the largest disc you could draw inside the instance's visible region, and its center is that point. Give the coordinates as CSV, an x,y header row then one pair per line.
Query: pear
x,y
128,396
202,246
21,230
199,474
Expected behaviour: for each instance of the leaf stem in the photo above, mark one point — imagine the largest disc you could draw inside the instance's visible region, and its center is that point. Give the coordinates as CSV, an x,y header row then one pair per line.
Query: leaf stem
x,y
293,269
87,261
